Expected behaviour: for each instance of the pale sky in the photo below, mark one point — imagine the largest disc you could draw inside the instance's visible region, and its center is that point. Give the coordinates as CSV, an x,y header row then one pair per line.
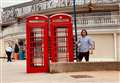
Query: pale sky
x,y
7,3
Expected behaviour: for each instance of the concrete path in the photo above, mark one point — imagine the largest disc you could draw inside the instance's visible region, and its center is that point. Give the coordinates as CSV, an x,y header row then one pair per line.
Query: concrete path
x,y
15,72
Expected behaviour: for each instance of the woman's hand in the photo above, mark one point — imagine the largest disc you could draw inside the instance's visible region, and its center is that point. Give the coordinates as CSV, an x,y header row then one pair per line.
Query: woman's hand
x,y
91,52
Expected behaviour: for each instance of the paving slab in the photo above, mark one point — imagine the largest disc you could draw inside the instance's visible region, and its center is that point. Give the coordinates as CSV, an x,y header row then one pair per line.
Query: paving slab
x,y
15,72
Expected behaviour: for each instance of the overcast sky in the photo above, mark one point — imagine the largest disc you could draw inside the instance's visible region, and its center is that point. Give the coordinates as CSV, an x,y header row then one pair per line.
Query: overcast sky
x,y
6,3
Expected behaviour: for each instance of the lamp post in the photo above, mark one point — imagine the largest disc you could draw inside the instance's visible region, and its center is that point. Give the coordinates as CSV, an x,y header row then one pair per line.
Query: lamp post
x,y
75,26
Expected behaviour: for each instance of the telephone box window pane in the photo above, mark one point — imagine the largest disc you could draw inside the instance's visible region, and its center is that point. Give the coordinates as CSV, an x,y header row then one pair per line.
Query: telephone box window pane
x,y
37,46
62,43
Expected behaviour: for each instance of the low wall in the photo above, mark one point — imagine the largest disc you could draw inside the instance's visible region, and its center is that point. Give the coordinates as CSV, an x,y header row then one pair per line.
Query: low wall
x,y
84,66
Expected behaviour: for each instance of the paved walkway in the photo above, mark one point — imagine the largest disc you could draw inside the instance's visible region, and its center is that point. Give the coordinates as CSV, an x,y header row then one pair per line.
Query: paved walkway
x,y
15,72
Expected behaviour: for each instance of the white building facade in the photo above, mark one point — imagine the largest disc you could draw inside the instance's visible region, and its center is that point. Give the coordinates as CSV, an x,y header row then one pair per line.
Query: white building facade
x,y
102,27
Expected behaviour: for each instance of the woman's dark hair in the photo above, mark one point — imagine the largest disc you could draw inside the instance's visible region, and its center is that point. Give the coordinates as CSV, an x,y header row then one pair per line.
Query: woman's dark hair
x,y
84,30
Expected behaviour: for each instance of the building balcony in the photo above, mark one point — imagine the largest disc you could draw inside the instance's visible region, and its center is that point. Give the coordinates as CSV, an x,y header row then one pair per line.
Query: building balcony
x,y
82,22
97,21
13,30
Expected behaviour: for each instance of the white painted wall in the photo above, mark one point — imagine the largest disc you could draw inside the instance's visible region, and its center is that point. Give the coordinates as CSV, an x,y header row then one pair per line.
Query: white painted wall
x,y
104,47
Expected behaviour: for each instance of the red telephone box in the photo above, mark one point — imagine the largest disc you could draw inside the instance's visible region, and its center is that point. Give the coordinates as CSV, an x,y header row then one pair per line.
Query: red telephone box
x,y
61,38
37,43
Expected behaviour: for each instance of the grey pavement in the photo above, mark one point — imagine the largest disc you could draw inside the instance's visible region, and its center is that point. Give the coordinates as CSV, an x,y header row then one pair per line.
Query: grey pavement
x,y
15,72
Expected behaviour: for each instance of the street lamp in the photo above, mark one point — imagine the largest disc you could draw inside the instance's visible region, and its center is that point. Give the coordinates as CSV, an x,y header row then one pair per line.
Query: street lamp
x,y
75,26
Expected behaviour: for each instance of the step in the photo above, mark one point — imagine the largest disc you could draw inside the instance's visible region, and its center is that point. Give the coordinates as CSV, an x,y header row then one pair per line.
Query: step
x,y
84,66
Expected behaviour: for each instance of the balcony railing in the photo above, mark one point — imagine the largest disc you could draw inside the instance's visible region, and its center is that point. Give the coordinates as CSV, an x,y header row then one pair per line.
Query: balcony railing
x,y
13,30
89,21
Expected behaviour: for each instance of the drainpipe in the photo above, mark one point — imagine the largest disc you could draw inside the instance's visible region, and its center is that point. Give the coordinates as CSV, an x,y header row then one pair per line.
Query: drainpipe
x,y
115,46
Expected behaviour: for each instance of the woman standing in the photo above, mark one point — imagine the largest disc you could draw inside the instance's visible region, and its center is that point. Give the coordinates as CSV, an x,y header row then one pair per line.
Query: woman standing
x,y
9,51
85,44
16,51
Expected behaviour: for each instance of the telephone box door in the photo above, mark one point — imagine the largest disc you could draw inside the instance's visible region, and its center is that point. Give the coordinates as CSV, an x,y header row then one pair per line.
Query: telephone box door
x,y
61,38
37,44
